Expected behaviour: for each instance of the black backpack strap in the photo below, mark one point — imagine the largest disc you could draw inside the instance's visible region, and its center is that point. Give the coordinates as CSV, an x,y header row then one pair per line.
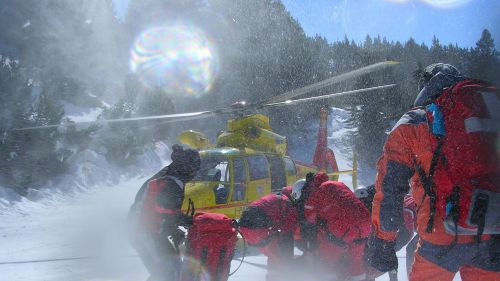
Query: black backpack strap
x,y
308,230
428,184
478,214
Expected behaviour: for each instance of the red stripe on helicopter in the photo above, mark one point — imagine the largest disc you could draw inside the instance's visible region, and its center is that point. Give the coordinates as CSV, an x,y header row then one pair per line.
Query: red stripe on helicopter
x,y
223,206
304,164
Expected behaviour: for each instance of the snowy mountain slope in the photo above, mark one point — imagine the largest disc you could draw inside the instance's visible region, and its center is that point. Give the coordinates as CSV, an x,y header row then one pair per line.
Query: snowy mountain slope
x,y
81,114
340,143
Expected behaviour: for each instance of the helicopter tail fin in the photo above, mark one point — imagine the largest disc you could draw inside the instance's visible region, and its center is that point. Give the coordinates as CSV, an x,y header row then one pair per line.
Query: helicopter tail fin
x,y
324,158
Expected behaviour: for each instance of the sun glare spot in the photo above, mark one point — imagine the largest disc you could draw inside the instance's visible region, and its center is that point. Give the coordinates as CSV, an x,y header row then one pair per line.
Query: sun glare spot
x,y
446,3
443,4
399,1
180,59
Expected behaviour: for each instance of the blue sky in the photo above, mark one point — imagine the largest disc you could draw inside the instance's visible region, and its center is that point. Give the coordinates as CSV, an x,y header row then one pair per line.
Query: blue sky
x,y
396,20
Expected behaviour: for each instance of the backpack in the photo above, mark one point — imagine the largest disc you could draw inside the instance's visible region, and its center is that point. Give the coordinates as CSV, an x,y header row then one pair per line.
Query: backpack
x,y
211,242
463,183
338,214
267,217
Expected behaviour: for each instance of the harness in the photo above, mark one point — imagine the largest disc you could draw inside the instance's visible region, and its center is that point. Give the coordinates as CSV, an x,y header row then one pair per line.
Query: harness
x,y
452,203
428,184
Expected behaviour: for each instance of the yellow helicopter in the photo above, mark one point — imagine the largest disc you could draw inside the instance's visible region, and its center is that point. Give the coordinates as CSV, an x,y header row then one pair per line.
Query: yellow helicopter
x,y
249,160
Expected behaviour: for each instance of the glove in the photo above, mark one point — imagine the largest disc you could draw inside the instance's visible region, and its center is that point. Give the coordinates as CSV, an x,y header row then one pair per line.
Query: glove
x,y
494,248
178,237
185,221
381,254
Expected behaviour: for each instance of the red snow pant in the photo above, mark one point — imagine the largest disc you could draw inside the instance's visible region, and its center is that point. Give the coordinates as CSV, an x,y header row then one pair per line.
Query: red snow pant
x,y
472,260
341,260
279,254
278,247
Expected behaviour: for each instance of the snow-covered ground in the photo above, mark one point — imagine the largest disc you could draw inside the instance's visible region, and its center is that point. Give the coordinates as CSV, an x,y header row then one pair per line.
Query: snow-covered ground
x,y
89,228
87,224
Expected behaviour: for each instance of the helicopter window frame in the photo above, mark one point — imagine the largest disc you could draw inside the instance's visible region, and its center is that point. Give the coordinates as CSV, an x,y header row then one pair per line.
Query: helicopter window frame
x,y
221,162
290,167
239,192
258,171
244,174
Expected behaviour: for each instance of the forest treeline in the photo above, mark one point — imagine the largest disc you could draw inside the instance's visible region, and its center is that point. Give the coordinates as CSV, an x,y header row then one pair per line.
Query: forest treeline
x,y
61,55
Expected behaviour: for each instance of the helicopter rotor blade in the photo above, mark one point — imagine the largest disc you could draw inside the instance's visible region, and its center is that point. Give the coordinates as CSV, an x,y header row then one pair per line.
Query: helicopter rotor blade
x,y
283,99
330,81
172,117
340,94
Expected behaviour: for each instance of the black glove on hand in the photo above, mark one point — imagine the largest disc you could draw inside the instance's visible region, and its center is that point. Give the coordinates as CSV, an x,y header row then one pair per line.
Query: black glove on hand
x,y
381,254
178,237
494,248
185,220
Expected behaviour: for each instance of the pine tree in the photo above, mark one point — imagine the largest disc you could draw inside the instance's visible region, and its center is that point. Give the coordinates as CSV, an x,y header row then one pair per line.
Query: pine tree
x,y
155,102
485,59
30,158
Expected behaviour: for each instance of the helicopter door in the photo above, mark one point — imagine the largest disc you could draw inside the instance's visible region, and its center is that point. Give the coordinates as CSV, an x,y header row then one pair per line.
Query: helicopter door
x,y
291,171
278,177
221,176
239,180
259,183
214,171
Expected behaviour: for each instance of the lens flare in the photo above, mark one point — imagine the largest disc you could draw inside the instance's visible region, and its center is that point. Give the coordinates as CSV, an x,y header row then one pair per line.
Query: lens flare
x,y
179,59
446,3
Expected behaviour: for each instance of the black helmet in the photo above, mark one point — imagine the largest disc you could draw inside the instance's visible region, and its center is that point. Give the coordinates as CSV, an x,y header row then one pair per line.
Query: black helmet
x,y
366,195
185,163
434,79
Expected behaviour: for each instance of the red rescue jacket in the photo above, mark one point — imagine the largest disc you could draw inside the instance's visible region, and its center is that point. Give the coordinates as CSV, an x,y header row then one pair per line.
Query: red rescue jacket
x,y
343,226
158,205
267,222
343,214
410,148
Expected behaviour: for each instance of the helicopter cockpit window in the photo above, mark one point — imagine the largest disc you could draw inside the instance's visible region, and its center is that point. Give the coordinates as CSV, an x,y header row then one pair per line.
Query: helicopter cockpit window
x,y
240,178
290,167
213,169
259,167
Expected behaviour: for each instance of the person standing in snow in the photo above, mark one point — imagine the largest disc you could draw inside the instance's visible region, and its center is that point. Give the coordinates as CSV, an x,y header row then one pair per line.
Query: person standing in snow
x,y
337,228
406,231
269,224
445,148
156,215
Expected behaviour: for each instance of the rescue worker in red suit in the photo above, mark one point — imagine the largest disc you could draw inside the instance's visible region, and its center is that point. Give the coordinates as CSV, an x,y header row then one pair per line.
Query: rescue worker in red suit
x,y
156,215
406,231
269,224
408,150
339,226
